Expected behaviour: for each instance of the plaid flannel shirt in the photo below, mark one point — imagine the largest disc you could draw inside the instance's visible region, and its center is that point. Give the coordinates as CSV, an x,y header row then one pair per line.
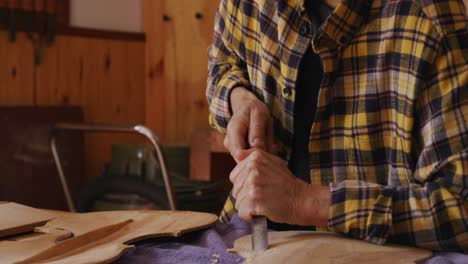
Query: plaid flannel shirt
x,y
390,136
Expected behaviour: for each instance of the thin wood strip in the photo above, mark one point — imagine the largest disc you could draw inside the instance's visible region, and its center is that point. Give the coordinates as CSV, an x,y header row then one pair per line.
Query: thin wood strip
x,y
17,219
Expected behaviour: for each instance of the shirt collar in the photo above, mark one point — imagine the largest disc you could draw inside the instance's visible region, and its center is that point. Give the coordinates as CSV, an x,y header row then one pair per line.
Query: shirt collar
x,y
345,21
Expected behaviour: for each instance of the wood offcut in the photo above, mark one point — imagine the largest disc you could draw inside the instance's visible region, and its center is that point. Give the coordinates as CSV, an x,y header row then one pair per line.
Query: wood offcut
x,y
325,248
17,218
99,237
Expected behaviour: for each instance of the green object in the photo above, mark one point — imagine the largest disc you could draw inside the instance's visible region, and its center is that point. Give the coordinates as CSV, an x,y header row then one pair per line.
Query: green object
x,y
138,160
138,167
128,160
177,160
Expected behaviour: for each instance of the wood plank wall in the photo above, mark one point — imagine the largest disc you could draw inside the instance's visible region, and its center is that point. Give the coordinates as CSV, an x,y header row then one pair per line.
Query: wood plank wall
x,y
115,82
178,34
105,77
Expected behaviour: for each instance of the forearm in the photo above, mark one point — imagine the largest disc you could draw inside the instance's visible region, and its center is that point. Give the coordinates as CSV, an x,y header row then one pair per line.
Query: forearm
x,y
312,205
238,96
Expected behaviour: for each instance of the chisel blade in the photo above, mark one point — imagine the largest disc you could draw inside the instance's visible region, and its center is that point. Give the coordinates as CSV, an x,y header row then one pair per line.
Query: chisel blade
x,y
259,234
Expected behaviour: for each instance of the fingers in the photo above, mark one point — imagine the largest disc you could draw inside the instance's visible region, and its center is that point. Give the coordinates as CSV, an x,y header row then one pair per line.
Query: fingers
x,y
257,128
243,154
248,204
249,127
241,200
247,181
236,135
252,159
227,145
237,177
270,137
240,193
242,171
244,213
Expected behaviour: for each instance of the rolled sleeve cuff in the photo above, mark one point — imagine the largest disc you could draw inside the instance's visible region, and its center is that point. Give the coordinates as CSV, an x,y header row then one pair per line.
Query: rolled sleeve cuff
x,y
361,210
220,107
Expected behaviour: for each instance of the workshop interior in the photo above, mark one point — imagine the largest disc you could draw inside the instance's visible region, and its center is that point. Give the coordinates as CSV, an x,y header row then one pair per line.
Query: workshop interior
x,y
105,145
103,108
100,109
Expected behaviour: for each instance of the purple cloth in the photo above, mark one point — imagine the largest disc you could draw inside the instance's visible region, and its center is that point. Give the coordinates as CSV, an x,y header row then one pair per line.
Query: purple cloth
x,y
448,258
206,246
210,245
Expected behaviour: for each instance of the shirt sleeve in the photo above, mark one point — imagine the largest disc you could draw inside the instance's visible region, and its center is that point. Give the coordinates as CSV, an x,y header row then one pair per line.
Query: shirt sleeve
x,y
226,69
432,212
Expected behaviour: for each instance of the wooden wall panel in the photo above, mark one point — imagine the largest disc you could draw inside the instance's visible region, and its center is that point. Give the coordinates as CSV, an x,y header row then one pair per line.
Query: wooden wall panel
x,y
154,66
178,35
106,78
115,82
103,76
16,71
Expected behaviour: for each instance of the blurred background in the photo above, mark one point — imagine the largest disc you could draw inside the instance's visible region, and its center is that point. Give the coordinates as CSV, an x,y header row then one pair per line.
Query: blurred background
x,y
120,62
117,62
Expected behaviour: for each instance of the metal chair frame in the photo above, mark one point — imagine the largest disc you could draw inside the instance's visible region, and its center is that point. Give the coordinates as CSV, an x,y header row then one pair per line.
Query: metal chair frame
x,y
112,128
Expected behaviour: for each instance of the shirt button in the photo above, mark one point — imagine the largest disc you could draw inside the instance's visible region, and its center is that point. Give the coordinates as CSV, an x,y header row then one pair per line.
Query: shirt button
x,y
343,40
287,92
305,28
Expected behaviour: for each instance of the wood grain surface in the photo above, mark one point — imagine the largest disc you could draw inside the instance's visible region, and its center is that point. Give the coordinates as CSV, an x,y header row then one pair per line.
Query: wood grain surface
x,y
16,71
325,248
115,82
16,218
103,76
99,237
178,34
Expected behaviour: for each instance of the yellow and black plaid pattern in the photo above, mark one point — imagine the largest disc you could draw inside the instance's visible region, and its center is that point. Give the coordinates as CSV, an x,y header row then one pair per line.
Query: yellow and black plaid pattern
x,y
390,136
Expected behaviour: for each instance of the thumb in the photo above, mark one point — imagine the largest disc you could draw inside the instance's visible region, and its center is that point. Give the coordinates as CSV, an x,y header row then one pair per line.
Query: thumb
x,y
241,154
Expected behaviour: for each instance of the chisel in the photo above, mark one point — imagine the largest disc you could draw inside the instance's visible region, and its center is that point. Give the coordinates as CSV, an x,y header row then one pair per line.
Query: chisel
x,y
259,230
259,234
